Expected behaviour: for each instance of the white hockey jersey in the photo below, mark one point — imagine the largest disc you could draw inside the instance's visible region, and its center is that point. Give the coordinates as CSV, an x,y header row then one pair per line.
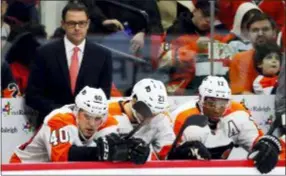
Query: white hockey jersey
x,y
236,127
158,132
54,138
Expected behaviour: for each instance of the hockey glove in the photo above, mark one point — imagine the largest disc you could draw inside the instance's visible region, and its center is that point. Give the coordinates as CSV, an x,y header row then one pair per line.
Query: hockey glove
x,y
112,148
265,153
138,150
193,150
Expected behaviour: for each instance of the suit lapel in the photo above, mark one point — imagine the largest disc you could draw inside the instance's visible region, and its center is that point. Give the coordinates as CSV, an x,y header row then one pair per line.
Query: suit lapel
x,y
62,59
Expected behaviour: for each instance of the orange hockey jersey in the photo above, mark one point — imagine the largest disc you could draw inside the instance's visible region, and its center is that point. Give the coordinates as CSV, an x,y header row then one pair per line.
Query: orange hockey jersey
x,y
58,133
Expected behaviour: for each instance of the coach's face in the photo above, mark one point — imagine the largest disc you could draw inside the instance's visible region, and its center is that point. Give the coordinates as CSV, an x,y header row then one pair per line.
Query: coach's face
x,y
76,24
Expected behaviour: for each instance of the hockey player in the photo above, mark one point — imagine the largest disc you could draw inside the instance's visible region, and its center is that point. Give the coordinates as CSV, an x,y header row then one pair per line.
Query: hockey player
x,y
147,107
81,132
227,124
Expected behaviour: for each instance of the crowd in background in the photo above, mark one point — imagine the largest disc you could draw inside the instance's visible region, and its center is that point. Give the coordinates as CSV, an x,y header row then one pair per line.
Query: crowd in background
x,y
166,40
112,44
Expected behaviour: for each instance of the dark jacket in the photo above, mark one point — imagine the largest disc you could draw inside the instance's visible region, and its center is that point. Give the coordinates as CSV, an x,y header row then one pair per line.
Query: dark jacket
x,y
183,26
49,82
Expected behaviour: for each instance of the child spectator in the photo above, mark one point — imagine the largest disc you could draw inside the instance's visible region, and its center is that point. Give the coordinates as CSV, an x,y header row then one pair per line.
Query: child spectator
x,y
267,60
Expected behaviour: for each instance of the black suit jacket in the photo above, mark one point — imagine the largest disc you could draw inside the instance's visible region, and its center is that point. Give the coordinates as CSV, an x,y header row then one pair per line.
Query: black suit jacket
x,y
49,83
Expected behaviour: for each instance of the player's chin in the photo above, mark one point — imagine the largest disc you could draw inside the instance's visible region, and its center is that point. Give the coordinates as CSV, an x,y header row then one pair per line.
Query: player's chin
x,y
215,118
88,133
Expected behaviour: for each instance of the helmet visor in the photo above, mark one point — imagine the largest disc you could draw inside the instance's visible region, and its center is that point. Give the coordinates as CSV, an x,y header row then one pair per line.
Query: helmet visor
x,y
214,107
142,110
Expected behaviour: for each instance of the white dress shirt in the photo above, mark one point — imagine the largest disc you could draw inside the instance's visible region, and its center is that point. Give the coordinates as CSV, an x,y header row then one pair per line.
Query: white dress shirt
x,y
69,47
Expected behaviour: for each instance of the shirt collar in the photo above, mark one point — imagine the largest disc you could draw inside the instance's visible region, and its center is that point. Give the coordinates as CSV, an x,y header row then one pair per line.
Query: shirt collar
x,y
70,46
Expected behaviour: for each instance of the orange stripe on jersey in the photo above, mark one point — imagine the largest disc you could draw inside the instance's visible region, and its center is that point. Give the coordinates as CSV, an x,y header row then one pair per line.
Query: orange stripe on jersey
x,y
60,152
181,118
61,120
59,145
282,155
119,108
110,121
235,106
164,152
154,157
114,108
15,159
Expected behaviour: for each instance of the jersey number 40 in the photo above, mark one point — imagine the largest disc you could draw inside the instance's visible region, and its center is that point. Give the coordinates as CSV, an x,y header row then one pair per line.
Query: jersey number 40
x,y
59,136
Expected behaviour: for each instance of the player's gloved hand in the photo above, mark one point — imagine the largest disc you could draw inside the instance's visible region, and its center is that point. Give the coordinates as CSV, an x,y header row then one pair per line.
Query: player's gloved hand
x,y
112,148
265,153
193,150
138,150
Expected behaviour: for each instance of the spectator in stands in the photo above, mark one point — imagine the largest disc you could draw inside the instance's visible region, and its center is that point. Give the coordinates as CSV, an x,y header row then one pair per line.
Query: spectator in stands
x,y
9,88
24,11
192,23
135,25
267,61
239,40
23,41
64,66
261,29
99,22
189,29
37,30
227,11
170,10
20,57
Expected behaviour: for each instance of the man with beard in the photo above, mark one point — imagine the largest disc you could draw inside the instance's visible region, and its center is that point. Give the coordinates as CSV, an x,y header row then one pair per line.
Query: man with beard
x,y
261,30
